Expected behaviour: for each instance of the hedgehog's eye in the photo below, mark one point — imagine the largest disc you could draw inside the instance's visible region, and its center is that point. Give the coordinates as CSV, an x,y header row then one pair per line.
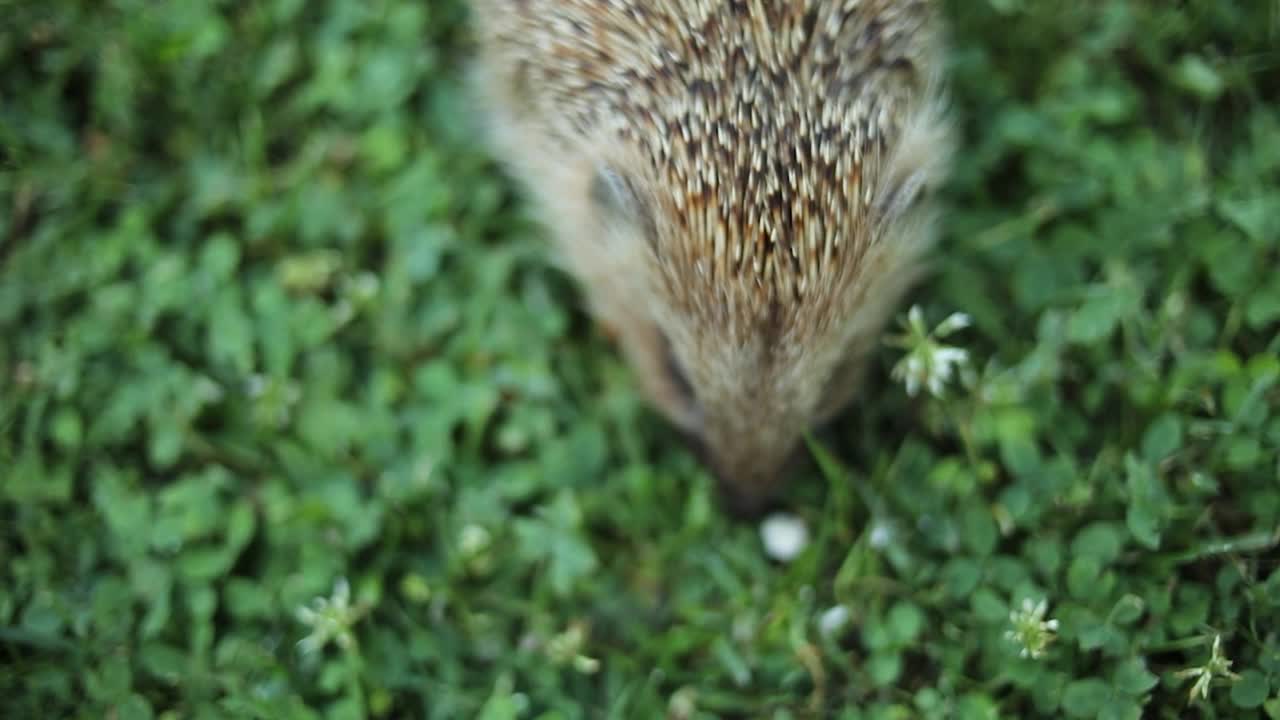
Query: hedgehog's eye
x,y
675,373
611,192
904,195
614,194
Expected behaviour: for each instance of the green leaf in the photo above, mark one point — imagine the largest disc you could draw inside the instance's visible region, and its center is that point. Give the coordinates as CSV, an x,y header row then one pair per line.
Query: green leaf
x,y
1121,709
1100,541
979,529
555,539
500,707
1243,452
244,599
1082,573
1263,307
884,668
110,682
1144,523
862,561
1097,318
164,662
1199,77
1127,610
1132,677
1085,698
905,623
67,429
1162,438
1254,215
230,333
732,661
988,606
1250,690
1099,636
135,707
961,575
975,706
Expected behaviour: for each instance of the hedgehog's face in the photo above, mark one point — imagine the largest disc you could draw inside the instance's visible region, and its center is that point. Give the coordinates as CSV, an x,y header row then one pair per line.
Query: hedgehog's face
x,y
744,372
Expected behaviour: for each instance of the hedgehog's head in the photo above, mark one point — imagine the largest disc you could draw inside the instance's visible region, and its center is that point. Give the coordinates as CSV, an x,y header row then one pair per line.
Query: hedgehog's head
x,y
738,186
750,274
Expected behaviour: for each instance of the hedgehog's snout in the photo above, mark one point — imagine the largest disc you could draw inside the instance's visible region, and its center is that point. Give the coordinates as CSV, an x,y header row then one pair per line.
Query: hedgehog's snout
x,y
741,443
746,492
744,506
739,504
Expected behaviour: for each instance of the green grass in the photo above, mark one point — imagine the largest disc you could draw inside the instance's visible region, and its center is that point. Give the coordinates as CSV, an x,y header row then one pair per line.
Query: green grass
x,y
271,318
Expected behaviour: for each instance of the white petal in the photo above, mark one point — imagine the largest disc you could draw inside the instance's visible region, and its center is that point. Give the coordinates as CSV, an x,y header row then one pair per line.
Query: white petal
x,y
935,385
954,322
785,536
881,536
950,356
832,620
915,316
915,365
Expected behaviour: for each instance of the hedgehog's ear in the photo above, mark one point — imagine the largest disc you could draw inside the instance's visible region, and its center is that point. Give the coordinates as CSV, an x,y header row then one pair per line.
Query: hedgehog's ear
x,y
616,195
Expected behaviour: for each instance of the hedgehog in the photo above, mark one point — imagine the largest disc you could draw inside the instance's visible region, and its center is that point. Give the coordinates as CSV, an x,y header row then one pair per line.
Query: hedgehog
x,y
744,189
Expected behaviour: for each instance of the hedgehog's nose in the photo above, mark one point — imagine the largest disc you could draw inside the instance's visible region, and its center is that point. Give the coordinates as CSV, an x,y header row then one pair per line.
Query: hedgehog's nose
x,y
742,500
741,504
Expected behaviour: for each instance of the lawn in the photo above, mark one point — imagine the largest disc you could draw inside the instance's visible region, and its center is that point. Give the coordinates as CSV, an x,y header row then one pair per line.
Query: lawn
x,y
297,420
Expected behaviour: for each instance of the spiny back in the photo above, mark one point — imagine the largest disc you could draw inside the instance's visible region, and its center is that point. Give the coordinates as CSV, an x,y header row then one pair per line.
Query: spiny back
x,y
763,118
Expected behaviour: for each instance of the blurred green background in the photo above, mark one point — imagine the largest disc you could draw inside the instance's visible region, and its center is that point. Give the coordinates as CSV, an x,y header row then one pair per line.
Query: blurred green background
x,y
276,329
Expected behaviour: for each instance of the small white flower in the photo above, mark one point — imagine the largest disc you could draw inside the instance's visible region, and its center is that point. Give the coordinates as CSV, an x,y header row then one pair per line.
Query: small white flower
x,y
911,375
928,363
364,286
475,546
683,703
833,620
343,311
915,316
473,540
881,535
208,389
945,361
1030,628
1217,666
422,472
954,322
566,649
948,359
785,536
330,619
256,385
